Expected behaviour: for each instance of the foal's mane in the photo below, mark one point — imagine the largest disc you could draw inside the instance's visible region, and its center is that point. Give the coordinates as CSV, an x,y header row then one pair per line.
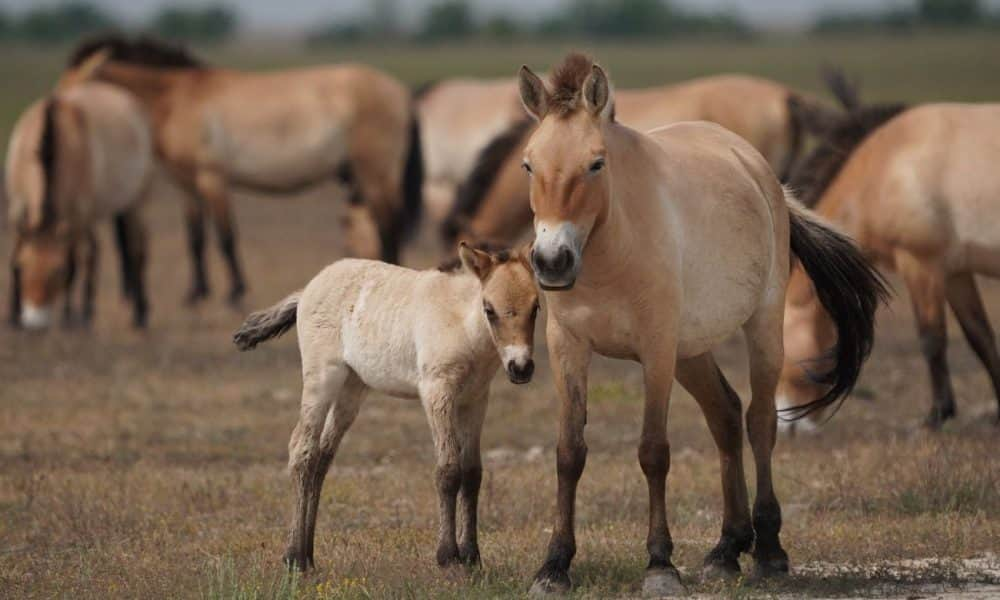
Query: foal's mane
x,y
473,190
838,143
140,50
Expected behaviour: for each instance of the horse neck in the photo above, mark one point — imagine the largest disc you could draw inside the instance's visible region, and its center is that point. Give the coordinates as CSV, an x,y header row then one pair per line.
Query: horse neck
x,y
148,85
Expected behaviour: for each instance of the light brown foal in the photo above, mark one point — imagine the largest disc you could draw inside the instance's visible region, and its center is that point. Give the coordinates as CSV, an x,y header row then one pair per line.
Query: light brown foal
x,y
655,248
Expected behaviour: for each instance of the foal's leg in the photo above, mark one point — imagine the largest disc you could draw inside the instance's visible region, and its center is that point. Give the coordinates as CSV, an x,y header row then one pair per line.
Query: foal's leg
x,y
470,429
927,292
90,277
322,385
69,315
213,188
765,346
662,578
721,406
964,298
440,399
570,359
194,215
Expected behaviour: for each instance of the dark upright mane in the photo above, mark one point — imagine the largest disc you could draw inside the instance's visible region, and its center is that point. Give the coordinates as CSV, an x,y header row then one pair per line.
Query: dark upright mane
x,y
567,82
500,253
472,191
47,155
141,50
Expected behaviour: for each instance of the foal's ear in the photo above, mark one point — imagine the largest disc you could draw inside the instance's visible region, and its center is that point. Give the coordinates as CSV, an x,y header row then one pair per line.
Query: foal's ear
x,y
475,261
534,96
597,93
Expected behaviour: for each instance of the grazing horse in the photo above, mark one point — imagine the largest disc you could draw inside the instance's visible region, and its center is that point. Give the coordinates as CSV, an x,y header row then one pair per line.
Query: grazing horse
x,y
216,129
433,335
78,156
492,203
655,248
918,189
458,117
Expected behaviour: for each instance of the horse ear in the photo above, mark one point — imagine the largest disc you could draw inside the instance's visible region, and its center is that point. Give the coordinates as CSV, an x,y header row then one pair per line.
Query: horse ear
x,y
475,261
89,68
534,96
597,92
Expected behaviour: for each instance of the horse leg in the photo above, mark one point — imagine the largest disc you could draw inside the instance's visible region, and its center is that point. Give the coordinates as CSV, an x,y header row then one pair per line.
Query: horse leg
x,y
440,402
964,298
69,314
194,215
372,232
14,318
213,188
90,277
926,285
470,429
570,359
662,578
721,406
121,241
763,334
135,240
321,386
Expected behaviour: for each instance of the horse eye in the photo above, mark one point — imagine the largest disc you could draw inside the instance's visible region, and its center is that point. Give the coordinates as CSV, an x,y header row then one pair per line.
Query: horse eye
x,y
490,313
526,167
534,311
597,165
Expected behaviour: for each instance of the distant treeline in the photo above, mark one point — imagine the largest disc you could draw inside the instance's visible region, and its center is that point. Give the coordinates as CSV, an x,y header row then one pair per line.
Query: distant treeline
x,y
922,14
70,20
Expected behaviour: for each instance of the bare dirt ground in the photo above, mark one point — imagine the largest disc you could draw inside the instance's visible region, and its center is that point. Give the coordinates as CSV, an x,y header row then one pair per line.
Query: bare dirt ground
x,y
151,465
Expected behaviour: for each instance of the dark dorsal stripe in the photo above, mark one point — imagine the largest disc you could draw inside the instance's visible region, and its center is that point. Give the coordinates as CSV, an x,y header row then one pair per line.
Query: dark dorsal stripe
x,y
500,253
473,190
141,50
47,156
817,172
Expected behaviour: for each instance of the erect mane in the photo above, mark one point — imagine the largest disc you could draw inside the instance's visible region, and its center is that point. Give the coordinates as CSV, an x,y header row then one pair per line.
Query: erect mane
x,y
816,173
473,190
567,82
141,50
501,253
47,156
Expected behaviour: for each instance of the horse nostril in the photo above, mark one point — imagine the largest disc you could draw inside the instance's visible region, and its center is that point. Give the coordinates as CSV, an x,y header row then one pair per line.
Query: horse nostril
x,y
529,369
511,367
564,261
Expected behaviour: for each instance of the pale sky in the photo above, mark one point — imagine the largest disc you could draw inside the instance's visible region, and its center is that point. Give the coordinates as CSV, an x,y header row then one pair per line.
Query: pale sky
x,y
302,14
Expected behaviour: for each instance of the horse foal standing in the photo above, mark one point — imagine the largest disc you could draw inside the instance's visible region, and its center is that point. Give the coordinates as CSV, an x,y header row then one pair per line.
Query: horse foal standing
x,y
437,336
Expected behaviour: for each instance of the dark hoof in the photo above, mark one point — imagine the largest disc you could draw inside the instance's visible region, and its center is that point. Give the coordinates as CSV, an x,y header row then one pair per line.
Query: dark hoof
x,y
236,295
662,582
296,561
196,295
936,419
720,569
772,566
550,582
447,556
469,556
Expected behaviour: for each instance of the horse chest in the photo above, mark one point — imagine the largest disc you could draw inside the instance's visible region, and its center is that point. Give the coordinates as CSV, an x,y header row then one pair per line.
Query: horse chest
x,y
609,327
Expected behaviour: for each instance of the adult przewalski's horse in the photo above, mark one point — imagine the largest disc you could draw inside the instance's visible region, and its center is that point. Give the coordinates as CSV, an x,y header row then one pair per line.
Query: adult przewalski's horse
x,y
655,248
216,129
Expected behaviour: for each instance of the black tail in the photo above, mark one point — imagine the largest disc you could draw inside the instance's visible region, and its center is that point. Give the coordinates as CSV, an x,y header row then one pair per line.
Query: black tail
x,y
268,324
849,289
47,156
413,185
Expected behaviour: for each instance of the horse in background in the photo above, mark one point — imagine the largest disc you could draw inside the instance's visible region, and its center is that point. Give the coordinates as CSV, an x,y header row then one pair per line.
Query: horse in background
x,y
918,189
76,157
656,248
218,129
492,204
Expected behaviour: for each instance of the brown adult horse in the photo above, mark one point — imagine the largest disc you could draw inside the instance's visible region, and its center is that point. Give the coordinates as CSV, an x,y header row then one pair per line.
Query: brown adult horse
x,y
492,203
655,248
919,191
216,129
76,157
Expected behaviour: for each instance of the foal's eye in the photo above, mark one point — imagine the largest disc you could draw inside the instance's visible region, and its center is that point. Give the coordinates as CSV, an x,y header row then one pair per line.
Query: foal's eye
x,y
534,311
490,313
526,167
597,165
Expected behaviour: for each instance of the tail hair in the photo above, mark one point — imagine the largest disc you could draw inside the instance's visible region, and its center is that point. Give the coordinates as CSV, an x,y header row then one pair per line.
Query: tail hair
x,y
413,185
268,324
849,289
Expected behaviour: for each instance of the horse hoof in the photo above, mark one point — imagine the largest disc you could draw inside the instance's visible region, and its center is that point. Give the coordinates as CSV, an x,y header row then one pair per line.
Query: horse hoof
x,y
295,561
720,571
551,583
662,582
195,296
771,567
469,556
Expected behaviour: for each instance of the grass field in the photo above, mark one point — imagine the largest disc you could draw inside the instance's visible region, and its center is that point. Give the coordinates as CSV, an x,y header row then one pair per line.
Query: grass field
x,y
151,465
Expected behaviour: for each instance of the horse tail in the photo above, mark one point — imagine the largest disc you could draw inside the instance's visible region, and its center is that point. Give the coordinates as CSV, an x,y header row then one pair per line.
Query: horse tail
x,y
849,289
268,324
413,184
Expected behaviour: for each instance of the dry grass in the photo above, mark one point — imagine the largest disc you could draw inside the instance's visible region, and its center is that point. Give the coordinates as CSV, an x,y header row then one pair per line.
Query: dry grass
x,y
152,465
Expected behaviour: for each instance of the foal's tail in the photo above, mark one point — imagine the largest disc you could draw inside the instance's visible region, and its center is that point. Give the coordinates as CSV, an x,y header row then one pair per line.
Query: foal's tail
x,y
849,289
267,324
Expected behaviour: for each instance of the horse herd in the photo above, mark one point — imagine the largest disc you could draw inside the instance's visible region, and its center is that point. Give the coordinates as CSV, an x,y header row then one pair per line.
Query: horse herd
x,y
652,247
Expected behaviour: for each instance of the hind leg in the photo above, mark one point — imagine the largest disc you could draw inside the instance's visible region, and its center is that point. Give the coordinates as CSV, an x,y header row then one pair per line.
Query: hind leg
x,y
331,397
723,412
194,217
470,429
964,298
765,346
69,313
213,188
90,265
135,243
926,285
14,317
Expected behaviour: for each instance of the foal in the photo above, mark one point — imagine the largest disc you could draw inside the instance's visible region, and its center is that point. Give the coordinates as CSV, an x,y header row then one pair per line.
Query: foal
x,y
437,336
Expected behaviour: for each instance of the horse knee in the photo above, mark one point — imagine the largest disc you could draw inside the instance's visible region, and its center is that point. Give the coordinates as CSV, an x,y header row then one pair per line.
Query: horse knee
x,y
570,460
448,477
933,344
654,457
472,476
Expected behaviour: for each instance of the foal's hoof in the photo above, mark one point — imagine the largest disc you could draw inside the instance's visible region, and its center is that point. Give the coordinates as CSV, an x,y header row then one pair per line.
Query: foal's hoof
x,y
296,561
469,556
662,582
550,582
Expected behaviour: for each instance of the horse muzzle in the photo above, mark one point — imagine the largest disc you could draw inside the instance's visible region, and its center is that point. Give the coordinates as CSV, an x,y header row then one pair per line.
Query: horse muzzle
x,y
555,256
